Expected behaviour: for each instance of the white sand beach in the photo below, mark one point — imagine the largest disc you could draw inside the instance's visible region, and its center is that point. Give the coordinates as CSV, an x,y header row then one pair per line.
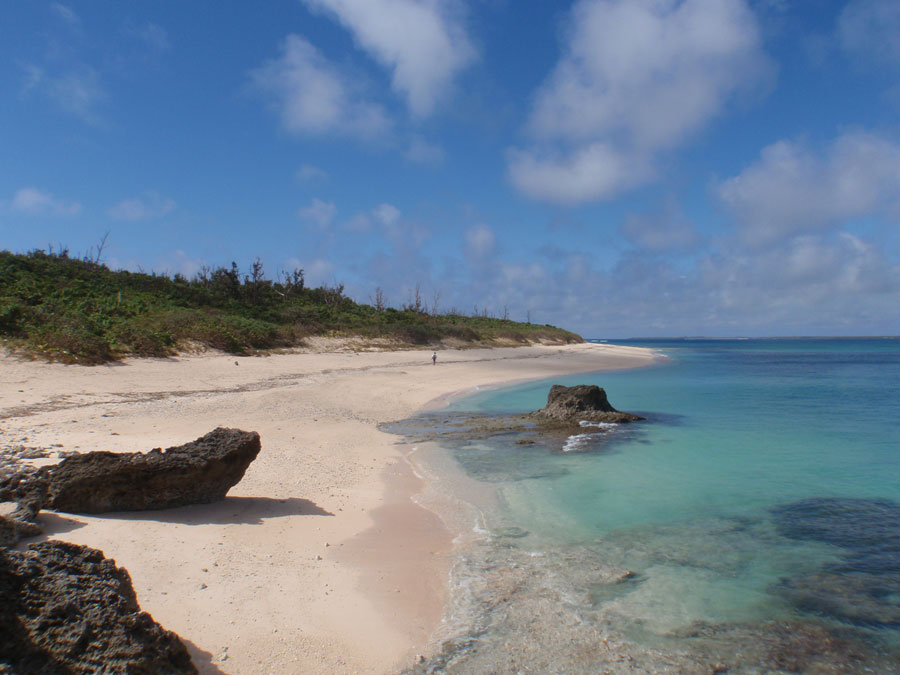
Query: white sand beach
x,y
317,561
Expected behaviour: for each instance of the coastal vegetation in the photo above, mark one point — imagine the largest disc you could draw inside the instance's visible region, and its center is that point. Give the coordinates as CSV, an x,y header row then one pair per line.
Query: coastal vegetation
x,y
76,309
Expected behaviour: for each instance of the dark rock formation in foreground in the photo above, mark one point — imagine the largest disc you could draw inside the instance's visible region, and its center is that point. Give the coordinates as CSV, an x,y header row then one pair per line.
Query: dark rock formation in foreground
x,y
18,525
583,402
199,472
66,608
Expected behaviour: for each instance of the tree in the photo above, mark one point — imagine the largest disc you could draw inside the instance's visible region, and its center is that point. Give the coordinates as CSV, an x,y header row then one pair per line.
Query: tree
x,y
379,299
434,302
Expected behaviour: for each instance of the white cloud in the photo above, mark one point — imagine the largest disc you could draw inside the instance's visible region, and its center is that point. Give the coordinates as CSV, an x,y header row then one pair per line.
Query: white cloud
x,y
594,171
637,77
308,172
871,28
791,190
404,234
150,206
66,14
151,34
480,243
179,262
812,284
34,202
78,92
421,151
422,42
664,229
312,96
386,214
319,213
832,284
361,222
318,272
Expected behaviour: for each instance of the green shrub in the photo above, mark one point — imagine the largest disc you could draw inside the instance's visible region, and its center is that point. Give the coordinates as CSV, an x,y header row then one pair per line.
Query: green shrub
x,y
79,310
12,313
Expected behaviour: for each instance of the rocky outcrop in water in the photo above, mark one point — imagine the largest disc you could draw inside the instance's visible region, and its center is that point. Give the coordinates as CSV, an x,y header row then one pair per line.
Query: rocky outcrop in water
x,y
66,608
582,411
583,402
198,472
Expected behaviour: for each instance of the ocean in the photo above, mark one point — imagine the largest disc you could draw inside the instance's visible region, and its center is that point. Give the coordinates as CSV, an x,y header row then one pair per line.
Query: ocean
x,y
750,524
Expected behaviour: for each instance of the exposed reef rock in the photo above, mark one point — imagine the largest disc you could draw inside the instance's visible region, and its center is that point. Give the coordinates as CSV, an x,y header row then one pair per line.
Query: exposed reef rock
x,y
66,608
21,497
583,402
199,472
571,412
18,525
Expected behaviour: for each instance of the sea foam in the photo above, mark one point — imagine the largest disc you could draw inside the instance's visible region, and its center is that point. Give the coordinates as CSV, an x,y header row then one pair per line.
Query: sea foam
x,y
577,442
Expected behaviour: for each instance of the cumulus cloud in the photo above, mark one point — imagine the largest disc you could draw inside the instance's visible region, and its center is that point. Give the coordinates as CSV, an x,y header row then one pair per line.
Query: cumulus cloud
x,y
663,229
179,262
313,96
814,283
308,172
811,284
387,216
589,172
150,34
421,151
67,14
77,91
871,28
422,42
319,213
316,271
637,77
792,190
480,243
361,222
62,77
32,201
147,207
405,234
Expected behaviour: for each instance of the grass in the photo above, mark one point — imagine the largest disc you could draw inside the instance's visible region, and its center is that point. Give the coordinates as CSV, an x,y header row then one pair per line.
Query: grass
x,y
80,311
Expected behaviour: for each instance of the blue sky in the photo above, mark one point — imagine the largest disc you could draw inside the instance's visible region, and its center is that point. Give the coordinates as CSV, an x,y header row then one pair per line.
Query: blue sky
x,y
617,167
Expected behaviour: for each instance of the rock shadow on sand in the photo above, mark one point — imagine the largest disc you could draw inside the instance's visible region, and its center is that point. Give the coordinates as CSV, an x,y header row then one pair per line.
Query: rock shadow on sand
x,y
205,661
54,524
229,511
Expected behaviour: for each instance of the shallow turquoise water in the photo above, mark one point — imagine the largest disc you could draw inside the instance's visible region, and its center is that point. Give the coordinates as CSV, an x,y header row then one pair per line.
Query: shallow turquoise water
x,y
746,495
734,426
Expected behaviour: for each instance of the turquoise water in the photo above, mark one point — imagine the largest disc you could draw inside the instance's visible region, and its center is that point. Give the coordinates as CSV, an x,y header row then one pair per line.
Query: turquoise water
x,y
764,486
734,426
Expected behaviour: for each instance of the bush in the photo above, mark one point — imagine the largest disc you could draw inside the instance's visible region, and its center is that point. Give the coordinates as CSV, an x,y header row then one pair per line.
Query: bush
x,y
80,310
12,313
73,339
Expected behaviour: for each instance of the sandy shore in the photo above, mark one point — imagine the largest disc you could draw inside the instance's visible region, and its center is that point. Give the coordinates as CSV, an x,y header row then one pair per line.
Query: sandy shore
x,y
318,561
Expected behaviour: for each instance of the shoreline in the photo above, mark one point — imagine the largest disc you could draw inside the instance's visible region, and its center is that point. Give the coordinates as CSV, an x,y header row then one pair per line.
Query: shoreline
x,y
266,580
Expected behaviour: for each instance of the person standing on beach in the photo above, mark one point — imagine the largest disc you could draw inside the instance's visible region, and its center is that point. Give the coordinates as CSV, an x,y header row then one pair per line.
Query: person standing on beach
x,y
434,358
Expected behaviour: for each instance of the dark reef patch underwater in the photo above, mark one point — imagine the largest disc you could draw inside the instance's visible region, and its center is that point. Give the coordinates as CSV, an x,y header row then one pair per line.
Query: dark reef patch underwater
x,y
862,587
